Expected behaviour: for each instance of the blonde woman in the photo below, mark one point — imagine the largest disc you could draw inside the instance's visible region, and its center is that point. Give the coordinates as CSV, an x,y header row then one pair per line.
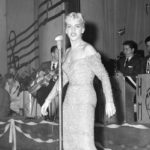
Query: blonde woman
x,y
82,63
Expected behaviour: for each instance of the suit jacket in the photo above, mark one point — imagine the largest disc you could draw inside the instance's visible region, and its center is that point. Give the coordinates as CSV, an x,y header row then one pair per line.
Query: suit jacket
x,y
43,92
132,68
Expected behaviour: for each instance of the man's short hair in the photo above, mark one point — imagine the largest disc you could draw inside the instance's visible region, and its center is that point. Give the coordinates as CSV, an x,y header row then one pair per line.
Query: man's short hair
x,y
132,44
147,39
53,49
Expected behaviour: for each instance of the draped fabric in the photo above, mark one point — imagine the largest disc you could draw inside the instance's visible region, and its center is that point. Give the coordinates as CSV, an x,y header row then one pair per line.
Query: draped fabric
x,y
138,21
129,14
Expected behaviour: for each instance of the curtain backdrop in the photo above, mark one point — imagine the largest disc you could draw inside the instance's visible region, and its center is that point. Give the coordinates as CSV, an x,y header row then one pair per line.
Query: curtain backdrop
x,y
110,16
130,14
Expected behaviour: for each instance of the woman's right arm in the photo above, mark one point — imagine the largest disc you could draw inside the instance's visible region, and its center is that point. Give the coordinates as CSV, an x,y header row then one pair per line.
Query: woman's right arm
x,y
54,91
49,98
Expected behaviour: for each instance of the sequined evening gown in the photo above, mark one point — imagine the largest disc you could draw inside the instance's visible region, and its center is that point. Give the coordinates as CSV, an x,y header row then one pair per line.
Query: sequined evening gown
x,y
80,101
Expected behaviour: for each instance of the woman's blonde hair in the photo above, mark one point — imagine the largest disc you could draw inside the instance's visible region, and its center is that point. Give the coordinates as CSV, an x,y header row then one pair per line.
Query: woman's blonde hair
x,y
74,15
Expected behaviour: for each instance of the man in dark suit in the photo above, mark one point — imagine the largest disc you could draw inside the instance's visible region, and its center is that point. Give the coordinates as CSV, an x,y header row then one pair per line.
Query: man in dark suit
x,y
130,64
47,68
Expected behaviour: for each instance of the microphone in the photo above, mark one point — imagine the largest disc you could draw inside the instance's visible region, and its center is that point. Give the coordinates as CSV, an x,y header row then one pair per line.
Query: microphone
x,y
59,39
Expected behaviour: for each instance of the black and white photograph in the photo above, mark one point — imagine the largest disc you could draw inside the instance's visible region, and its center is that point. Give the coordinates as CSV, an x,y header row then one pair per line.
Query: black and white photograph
x,y
74,74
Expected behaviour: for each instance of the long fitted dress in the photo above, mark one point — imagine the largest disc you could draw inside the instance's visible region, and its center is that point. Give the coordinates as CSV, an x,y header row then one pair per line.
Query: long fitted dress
x,y
80,101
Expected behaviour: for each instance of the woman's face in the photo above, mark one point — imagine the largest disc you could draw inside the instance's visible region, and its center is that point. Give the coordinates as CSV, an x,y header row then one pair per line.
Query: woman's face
x,y
74,29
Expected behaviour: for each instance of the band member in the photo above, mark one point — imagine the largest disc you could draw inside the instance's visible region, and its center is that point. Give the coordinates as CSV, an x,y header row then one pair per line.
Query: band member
x,y
12,70
12,86
130,64
50,69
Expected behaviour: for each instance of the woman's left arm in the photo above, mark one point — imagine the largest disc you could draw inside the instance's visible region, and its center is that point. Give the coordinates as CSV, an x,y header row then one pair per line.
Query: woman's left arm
x,y
99,70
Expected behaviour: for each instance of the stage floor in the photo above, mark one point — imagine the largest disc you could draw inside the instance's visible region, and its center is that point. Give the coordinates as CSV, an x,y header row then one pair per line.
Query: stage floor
x,y
38,134
123,137
31,134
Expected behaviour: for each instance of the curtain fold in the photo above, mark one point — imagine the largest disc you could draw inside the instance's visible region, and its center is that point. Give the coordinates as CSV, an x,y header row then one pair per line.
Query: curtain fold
x,y
119,14
108,26
111,16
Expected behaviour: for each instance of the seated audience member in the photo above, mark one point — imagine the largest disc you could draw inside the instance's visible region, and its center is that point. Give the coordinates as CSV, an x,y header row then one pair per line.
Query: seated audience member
x,y
146,64
130,64
16,97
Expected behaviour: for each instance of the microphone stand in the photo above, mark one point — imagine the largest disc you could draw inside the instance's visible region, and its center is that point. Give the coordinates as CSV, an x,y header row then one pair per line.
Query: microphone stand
x,y
59,39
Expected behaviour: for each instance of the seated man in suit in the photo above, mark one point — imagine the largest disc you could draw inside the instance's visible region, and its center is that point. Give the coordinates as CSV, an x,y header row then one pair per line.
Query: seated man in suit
x,y
46,68
130,64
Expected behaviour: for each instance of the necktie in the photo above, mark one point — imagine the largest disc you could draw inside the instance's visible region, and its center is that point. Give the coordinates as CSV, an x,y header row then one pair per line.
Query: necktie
x,y
126,61
52,66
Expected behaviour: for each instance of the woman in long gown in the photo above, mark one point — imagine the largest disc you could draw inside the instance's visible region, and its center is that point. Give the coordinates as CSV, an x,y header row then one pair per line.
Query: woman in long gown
x,y
81,64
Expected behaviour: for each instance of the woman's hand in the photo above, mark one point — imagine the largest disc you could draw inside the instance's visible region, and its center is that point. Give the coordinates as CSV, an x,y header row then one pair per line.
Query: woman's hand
x,y
110,109
44,107
49,99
